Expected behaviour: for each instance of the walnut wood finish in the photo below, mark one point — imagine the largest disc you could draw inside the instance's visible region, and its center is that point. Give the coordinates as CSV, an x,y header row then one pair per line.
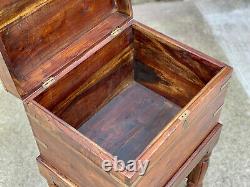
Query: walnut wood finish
x,y
52,176
120,89
97,84
127,134
197,156
12,10
195,179
189,167
6,78
35,42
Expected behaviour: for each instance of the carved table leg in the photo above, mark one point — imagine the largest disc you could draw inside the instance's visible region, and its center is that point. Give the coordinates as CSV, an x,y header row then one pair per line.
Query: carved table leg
x,y
195,178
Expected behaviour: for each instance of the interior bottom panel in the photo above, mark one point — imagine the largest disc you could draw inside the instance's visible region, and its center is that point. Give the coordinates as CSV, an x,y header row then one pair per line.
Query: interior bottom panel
x,y
130,121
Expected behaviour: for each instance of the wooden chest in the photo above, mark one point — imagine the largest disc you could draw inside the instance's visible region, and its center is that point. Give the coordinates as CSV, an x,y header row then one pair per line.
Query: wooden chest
x,y
56,179
97,84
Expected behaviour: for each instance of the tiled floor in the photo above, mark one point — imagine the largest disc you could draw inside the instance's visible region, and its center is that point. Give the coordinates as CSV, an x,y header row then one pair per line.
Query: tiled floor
x,y
220,28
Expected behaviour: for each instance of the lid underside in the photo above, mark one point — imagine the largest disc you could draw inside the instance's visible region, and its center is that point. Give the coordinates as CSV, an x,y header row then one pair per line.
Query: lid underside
x,y
41,37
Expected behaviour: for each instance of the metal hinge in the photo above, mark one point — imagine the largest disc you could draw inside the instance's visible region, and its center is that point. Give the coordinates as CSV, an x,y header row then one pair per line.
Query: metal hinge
x,y
184,118
49,82
116,31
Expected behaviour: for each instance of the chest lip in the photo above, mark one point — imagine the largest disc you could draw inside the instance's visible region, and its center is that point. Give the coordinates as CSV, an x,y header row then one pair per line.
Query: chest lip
x,y
218,81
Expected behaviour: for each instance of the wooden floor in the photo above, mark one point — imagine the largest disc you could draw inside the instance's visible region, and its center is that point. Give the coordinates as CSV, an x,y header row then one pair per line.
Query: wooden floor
x,y
127,124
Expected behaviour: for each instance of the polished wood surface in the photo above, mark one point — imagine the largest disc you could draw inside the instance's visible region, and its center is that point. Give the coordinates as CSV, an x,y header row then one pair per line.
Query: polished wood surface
x,y
129,122
195,179
109,70
54,178
196,158
170,70
118,88
12,10
188,168
75,100
36,45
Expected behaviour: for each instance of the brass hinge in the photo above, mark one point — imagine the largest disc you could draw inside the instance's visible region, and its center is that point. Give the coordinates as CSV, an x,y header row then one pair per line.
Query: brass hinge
x,y
116,31
184,118
49,82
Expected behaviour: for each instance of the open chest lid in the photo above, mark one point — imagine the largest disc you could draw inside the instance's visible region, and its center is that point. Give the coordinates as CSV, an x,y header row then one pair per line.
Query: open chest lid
x,y
41,38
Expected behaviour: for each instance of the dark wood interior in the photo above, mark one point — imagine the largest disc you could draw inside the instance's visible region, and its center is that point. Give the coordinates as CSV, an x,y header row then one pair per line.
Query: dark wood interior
x,y
130,121
37,47
128,91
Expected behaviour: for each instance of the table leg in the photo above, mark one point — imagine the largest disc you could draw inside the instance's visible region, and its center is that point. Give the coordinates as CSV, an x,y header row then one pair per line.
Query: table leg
x,y
195,178
51,184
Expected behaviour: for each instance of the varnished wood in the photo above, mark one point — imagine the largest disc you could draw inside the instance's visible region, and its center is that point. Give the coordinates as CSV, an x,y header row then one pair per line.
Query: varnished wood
x,y
13,10
68,160
54,178
138,116
6,77
173,72
86,80
61,109
52,175
124,7
120,93
201,107
203,149
195,178
36,45
45,29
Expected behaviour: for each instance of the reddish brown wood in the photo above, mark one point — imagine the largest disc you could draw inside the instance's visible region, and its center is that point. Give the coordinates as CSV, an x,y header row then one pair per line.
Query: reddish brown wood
x,y
204,148
125,7
170,142
53,97
53,177
53,114
11,10
120,89
52,185
35,43
6,78
45,29
195,178
173,72
126,134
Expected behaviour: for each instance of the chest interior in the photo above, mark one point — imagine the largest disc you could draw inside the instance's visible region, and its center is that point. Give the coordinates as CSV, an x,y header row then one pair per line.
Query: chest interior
x,y
124,94
119,91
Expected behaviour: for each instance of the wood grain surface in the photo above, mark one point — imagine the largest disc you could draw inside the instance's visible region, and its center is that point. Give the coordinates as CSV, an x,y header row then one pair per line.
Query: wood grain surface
x,y
121,93
110,103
